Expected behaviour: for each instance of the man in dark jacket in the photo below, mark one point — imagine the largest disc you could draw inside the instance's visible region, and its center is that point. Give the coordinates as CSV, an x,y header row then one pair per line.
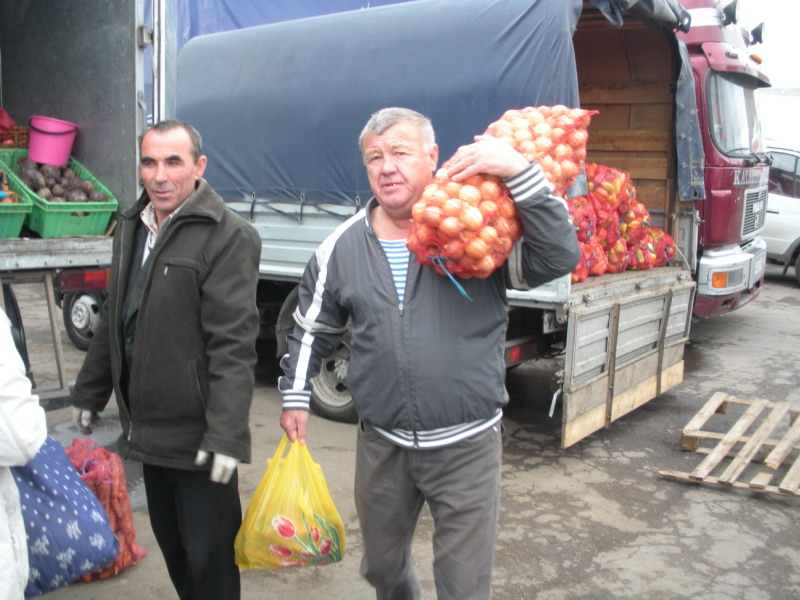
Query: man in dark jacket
x,y
426,365
176,345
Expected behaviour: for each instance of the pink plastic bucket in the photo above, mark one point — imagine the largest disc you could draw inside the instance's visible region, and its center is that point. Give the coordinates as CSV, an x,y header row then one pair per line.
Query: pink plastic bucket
x,y
50,140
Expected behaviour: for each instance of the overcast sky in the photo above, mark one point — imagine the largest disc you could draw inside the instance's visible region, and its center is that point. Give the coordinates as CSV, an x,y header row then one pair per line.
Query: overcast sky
x,y
780,111
781,47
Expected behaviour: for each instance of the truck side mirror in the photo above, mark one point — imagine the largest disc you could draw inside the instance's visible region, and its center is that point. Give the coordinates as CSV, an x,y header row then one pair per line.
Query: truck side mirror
x,y
757,34
685,21
730,14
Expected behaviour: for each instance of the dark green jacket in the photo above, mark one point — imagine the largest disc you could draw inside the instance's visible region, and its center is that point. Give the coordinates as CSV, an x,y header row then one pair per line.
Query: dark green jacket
x,y
192,364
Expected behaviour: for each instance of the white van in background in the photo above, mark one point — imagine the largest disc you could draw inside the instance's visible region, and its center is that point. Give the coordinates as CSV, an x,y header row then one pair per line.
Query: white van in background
x,y
782,227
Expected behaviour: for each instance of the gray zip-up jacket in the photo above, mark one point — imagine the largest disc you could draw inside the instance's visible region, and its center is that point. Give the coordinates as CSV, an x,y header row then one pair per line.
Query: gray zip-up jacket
x,y
435,360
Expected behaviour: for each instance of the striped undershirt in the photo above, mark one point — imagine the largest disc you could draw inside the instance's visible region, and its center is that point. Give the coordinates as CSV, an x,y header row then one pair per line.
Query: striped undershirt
x,y
398,255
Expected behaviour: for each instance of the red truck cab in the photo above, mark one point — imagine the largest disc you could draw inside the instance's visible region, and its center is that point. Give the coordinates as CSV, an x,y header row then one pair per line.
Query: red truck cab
x,y
730,258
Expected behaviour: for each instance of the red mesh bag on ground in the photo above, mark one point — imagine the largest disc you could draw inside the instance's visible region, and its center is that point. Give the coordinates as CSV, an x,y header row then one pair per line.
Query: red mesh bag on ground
x,y
104,474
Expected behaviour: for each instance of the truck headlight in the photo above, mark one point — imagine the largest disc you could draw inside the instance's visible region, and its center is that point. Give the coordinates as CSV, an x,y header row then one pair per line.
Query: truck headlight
x,y
721,280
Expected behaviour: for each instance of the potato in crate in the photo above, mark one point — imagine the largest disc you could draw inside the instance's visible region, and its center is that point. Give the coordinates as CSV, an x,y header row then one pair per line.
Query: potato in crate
x,y
66,201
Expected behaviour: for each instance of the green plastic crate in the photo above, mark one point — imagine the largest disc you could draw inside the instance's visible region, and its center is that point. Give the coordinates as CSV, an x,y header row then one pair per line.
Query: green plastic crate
x,y
12,216
63,219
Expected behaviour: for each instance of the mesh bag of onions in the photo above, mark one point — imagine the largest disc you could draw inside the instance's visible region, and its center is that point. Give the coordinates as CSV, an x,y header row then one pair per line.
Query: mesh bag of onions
x,y
467,229
611,220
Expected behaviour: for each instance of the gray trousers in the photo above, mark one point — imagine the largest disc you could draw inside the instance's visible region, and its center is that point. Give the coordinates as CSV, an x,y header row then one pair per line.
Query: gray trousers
x,y
460,483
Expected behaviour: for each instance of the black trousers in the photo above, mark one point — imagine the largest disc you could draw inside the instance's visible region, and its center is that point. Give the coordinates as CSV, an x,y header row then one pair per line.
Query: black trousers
x,y
195,522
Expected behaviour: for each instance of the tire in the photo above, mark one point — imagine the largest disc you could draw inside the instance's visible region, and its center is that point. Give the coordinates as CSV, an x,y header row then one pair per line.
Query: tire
x,y
330,397
81,314
797,269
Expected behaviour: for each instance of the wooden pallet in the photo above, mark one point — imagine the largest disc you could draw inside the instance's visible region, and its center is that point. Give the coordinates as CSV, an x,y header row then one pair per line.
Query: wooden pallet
x,y
766,460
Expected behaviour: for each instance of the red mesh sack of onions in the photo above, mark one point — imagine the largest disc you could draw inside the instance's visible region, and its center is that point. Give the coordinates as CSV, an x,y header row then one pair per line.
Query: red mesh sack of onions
x,y
465,229
641,253
610,191
617,256
664,246
593,261
609,188
553,136
634,222
608,231
581,271
468,229
583,217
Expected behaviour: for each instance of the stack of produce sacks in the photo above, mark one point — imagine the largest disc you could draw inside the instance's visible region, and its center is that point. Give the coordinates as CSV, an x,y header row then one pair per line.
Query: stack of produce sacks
x,y
468,229
613,227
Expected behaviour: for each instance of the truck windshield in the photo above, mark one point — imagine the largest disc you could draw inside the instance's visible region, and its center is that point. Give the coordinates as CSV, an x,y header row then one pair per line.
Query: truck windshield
x,y
734,117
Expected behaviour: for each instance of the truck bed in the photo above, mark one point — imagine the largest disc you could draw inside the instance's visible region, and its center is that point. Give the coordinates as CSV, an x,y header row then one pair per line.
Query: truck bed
x,y
290,233
28,254
625,332
34,260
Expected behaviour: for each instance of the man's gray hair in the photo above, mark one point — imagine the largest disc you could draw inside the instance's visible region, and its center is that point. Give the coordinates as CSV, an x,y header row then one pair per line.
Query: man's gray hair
x,y
194,135
386,117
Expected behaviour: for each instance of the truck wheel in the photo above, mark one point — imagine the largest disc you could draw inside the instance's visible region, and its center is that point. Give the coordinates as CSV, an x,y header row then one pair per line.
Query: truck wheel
x,y
330,397
81,314
797,268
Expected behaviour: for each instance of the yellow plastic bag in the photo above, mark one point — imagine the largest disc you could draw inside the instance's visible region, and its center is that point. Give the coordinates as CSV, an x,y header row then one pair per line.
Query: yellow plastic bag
x,y
291,520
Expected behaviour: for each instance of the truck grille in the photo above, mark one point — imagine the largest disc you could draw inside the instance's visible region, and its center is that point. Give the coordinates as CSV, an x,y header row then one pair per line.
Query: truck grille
x,y
755,211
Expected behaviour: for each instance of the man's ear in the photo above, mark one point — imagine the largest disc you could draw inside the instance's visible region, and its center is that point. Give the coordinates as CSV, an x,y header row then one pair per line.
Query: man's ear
x,y
200,166
433,155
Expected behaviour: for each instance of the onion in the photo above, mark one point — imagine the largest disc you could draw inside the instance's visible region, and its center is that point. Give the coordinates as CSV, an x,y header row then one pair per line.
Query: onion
x,y
471,217
470,194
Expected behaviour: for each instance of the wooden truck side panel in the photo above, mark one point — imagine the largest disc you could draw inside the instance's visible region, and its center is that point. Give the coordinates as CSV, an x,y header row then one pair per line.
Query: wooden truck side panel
x,y
621,353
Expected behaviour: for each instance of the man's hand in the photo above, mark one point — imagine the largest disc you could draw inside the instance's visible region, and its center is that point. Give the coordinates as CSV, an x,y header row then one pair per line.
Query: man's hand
x,y
295,424
83,419
487,155
222,468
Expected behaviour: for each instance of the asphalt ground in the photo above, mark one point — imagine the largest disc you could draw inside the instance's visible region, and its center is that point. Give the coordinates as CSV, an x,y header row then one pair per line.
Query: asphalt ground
x,y
594,521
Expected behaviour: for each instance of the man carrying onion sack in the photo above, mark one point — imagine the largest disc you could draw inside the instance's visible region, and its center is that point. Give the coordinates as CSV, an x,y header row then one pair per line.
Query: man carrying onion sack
x,y
176,345
426,369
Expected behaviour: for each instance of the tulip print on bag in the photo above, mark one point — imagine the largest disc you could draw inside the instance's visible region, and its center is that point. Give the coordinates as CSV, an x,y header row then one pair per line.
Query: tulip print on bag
x,y
291,520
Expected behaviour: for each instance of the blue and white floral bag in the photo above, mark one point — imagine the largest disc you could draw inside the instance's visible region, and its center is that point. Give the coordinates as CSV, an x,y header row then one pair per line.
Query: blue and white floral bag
x,y
67,527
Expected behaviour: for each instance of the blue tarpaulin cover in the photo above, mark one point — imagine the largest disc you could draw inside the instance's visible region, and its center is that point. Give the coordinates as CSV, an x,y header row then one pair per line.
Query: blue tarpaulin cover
x,y
280,106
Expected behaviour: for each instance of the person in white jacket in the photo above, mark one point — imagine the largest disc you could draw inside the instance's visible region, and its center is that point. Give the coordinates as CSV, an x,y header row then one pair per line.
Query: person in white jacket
x,y
23,429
